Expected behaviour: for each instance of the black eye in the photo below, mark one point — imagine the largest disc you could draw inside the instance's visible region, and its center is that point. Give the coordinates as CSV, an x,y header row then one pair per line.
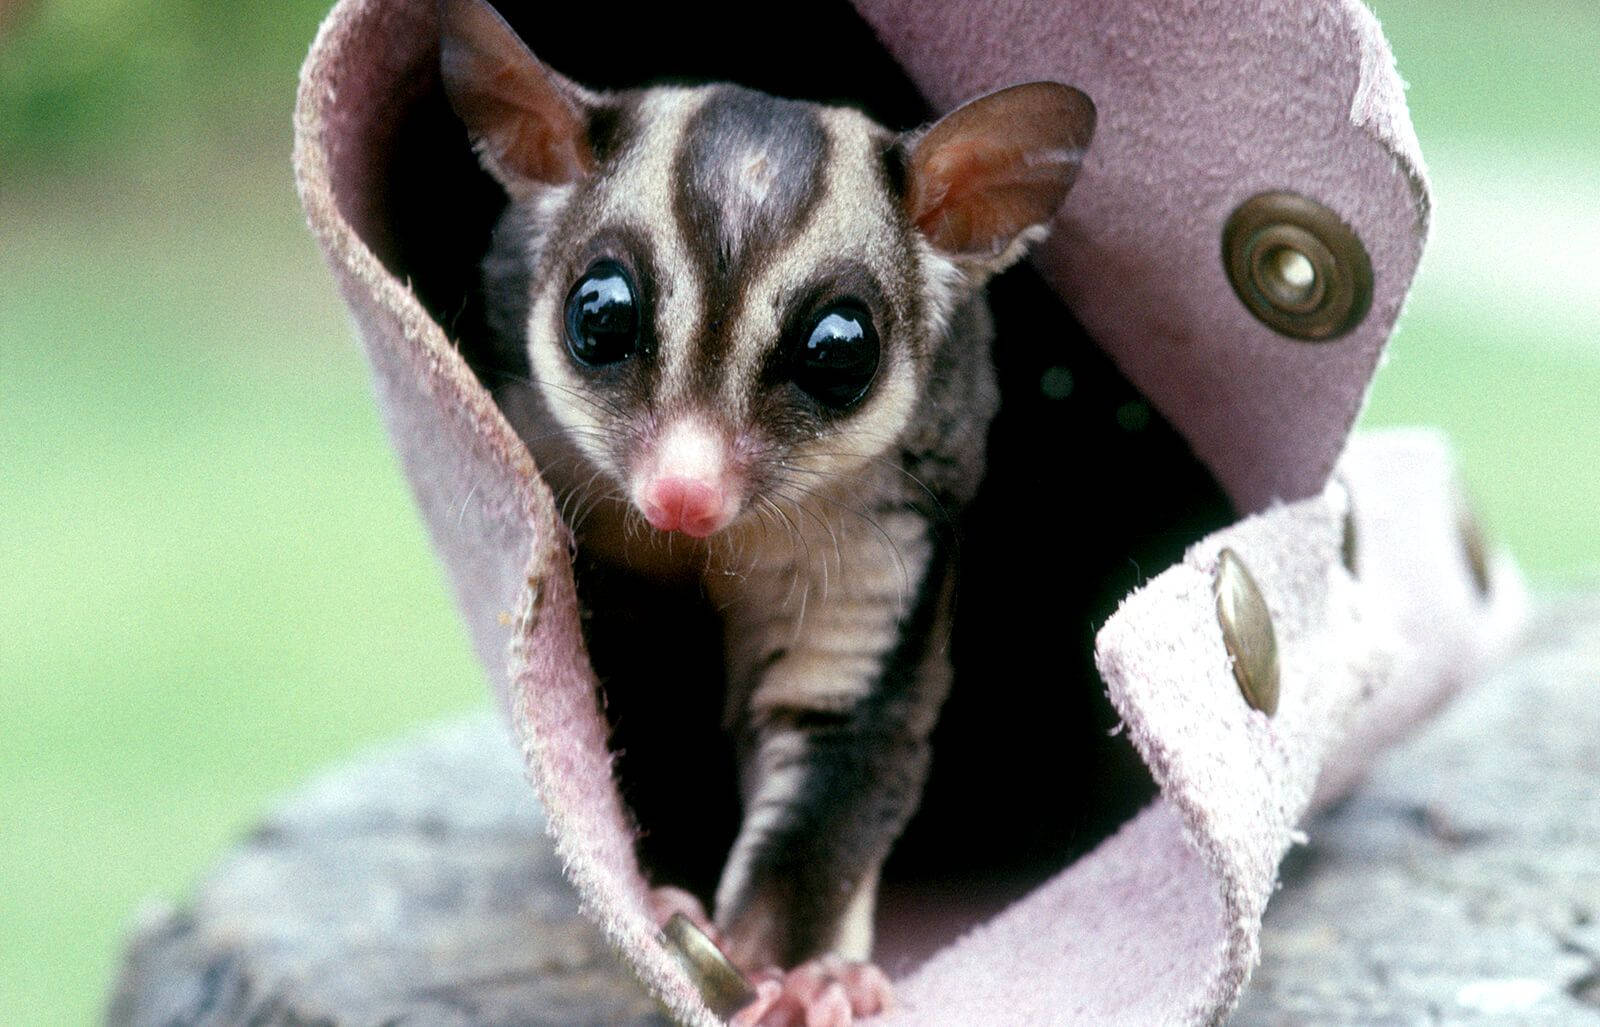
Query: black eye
x,y
602,316
839,356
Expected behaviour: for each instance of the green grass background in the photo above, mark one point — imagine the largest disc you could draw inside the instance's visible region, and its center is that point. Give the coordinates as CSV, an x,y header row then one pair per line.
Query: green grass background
x,y
211,577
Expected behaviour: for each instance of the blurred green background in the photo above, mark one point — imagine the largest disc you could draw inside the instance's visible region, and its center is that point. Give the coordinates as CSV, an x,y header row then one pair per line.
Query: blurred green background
x,y
211,577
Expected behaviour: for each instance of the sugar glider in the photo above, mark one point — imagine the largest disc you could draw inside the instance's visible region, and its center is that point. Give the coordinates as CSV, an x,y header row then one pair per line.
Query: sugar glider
x,y
760,355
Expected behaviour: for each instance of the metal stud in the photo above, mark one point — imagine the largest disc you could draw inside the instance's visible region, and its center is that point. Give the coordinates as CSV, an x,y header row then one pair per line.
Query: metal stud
x,y
1474,548
1298,268
1348,541
1247,633
723,987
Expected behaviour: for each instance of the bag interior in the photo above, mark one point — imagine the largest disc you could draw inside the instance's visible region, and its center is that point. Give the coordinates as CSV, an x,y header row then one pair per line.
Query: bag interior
x,y
1089,493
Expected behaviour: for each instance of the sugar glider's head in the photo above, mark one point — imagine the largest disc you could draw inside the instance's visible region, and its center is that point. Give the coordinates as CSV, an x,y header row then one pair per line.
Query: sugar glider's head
x,y
731,296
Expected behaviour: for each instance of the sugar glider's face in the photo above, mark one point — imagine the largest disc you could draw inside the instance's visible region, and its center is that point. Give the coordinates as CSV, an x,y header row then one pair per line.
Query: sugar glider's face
x,y
733,305
733,298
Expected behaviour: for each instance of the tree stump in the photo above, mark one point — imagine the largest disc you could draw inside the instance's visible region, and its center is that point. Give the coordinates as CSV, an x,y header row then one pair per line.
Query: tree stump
x,y
1460,884
413,886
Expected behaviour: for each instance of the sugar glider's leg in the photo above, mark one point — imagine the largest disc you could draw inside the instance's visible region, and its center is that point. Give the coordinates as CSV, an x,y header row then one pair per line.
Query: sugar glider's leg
x,y
833,727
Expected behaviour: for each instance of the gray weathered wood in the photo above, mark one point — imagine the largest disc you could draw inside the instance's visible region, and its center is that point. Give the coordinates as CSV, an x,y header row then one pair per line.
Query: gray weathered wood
x,y
1460,885
415,885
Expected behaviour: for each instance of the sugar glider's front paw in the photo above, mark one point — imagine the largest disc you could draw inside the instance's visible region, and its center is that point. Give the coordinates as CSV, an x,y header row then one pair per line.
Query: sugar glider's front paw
x,y
828,991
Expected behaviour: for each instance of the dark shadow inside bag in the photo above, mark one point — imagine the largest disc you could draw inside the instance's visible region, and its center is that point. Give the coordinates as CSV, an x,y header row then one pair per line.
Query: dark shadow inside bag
x,y
1089,493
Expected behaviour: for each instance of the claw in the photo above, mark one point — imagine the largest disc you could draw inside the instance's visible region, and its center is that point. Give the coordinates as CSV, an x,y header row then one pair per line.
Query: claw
x,y
824,992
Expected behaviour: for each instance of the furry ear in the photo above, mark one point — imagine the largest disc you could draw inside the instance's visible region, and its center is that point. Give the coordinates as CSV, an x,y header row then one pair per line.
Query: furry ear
x,y
528,123
995,167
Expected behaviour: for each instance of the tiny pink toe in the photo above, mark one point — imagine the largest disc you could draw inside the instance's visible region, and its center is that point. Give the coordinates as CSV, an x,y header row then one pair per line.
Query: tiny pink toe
x,y
768,993
827,991
869,989
830,1008
806,981
667,900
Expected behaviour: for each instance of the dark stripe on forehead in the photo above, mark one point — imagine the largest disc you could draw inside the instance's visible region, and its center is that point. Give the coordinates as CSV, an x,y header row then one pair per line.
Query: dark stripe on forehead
x,y
749,171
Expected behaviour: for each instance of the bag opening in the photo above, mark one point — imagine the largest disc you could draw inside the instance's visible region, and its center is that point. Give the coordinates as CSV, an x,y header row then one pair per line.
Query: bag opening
x,y
1028,772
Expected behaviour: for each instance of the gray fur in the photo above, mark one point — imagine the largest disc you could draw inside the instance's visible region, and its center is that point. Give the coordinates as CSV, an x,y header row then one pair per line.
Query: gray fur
x,y
834,767
749,171
739,216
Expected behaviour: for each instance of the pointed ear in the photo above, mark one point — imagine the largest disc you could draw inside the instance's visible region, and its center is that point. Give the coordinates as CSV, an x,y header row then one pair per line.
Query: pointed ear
x,y
529,125
996,167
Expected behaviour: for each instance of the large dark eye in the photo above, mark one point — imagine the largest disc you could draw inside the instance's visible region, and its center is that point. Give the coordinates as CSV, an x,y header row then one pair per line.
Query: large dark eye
x,y
839,357
602,316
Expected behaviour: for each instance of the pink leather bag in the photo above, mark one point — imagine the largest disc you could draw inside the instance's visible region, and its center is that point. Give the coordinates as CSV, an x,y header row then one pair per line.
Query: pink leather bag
x,y
1377,597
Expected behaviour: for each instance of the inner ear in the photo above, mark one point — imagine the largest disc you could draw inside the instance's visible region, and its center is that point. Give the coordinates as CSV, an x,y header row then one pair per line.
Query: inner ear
x,y
529,124
997,166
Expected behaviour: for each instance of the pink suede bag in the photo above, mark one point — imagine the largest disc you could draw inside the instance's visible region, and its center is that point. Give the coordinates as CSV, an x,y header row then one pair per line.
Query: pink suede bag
x,y
1379,599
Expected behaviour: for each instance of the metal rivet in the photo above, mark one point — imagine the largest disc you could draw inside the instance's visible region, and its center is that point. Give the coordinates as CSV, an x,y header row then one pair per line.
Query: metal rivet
x,y
723,987
1348,542
1474,547
1298,268
1247,633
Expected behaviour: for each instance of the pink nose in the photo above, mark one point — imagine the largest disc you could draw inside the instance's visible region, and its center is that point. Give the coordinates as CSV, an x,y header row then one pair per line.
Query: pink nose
x,y
683,504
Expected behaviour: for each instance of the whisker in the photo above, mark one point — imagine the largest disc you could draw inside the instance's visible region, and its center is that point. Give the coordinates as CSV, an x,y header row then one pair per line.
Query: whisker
x,y
592,500
893,546
940,511
794,537
596,401
462,515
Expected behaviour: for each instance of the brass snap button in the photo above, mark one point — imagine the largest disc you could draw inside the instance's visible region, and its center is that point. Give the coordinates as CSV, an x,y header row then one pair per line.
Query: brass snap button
x,y
723,987
1247,633
1298,268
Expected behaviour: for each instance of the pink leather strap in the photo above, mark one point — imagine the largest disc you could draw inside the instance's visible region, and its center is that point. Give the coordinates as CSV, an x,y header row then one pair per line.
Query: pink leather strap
x,y
1160,923
1202,106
